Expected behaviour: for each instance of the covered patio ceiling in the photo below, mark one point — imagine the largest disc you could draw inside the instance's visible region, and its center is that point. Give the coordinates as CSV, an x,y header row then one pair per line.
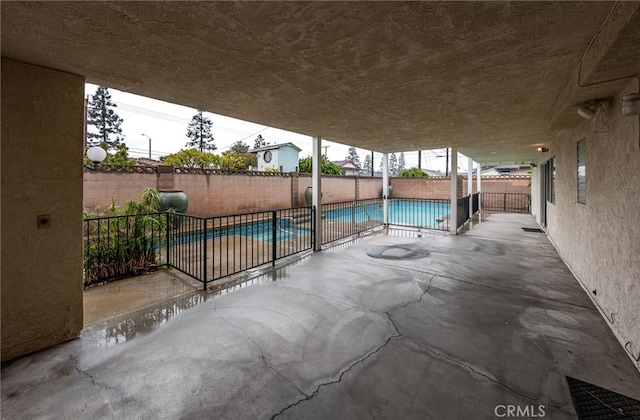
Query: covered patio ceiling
x,y
492,78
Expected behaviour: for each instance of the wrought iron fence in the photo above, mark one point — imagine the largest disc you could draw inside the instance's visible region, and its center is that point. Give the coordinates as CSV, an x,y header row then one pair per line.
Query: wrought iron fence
x,y
420,213
348,218
122,246
506,202
206,249
212,248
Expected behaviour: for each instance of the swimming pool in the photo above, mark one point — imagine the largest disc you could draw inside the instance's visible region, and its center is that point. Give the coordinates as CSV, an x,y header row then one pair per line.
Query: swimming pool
x,y
417,213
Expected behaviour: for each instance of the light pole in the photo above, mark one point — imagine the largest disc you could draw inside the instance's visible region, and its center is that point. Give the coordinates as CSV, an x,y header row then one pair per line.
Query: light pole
x,y
149,144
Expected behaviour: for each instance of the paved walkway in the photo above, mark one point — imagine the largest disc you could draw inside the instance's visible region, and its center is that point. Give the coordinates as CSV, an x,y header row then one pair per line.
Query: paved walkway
x,y
435,327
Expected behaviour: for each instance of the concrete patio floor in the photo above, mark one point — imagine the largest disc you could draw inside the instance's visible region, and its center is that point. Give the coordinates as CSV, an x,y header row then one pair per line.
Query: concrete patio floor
x,y
390,326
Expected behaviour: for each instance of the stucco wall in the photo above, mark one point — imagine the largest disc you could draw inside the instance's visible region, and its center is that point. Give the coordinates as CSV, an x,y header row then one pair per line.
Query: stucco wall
x,y
216,195
600,240
41,270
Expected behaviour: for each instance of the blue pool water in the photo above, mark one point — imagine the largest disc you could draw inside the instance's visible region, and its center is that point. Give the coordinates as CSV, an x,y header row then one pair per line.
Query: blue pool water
x,y
257,230
401,212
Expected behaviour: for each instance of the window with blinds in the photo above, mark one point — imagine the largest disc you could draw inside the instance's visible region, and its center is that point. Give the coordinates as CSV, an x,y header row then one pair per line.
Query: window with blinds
x,y
582,171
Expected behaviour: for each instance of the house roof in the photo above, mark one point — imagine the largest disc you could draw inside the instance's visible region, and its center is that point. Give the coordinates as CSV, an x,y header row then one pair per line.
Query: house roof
x,y
345,164
275,146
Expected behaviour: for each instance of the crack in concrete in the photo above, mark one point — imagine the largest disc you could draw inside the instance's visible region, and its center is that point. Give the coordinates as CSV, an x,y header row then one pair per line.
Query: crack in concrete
x,y
477,372
317,391
262,356
87,374
398,334
444,276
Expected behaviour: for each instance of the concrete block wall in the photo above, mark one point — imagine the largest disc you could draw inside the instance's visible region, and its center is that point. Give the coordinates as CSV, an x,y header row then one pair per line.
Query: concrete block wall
x,y
100,187
221,194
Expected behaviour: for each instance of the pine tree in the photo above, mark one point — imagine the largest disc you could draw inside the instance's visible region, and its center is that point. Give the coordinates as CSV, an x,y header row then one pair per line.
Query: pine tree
x,y
393,165
401,163
199,133
259,142
353,156
366,166
101,115
239,147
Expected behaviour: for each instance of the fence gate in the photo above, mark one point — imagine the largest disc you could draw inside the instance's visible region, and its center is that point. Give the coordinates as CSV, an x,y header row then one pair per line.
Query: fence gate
x,y
506,202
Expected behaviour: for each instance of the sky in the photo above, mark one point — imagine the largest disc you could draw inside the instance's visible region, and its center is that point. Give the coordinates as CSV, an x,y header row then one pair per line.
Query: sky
x,y
166,124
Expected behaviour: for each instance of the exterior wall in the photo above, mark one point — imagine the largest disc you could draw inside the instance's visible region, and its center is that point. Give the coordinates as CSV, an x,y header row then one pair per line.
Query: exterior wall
x,y
100,187
600,240
42,123
370,188
217,195
434,187
288,159
501,184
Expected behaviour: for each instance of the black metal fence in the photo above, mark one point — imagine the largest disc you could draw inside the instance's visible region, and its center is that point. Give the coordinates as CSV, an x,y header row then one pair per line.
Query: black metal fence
x,y
206,249
123,246
348,218
506,202
211,248
420,213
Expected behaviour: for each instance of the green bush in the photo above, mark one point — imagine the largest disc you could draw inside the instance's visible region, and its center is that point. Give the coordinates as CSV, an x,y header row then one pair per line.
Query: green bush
x,y
125,243
413,173
327,168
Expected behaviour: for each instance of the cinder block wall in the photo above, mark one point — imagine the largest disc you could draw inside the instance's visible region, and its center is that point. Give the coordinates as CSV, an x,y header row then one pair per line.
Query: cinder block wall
x,y
221,194
100,187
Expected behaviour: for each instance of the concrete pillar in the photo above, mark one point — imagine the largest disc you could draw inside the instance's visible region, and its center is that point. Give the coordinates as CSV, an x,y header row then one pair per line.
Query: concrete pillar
x,y
470,185
385,188
316,182
453,221
41,196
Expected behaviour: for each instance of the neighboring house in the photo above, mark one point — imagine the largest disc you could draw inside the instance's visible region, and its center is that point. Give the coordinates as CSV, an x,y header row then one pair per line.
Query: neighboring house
x,y
278,157
508,170
348,167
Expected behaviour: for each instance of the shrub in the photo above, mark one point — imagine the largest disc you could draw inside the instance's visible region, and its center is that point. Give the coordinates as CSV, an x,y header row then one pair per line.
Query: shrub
x,y
126,242
413,173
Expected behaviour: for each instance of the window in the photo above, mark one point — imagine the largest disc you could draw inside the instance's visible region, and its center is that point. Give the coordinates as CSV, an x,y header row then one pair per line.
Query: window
x,y
550,177
582,171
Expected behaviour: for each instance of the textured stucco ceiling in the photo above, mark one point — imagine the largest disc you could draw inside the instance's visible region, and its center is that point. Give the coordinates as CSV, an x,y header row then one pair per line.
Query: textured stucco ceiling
x,y
388,76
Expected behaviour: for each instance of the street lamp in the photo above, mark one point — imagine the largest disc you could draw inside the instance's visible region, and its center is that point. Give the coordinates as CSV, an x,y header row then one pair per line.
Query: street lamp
x,y
149,144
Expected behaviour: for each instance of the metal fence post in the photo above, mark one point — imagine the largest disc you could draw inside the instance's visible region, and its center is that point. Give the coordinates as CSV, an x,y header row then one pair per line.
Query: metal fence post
x,y
168,227
204,253
273,238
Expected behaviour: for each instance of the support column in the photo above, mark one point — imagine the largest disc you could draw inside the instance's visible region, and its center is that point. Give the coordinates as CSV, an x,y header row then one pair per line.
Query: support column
x,y
316,183
41,195
470,185
385,188
453,218
479,168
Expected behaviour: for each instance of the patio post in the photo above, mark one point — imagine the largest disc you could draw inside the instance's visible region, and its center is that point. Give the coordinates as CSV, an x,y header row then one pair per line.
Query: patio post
x,y
385,188
316,196
479,168
453,213
470,185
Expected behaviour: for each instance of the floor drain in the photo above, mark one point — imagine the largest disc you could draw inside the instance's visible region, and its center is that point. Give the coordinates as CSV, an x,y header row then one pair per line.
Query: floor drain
x,y
594,403
534,230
